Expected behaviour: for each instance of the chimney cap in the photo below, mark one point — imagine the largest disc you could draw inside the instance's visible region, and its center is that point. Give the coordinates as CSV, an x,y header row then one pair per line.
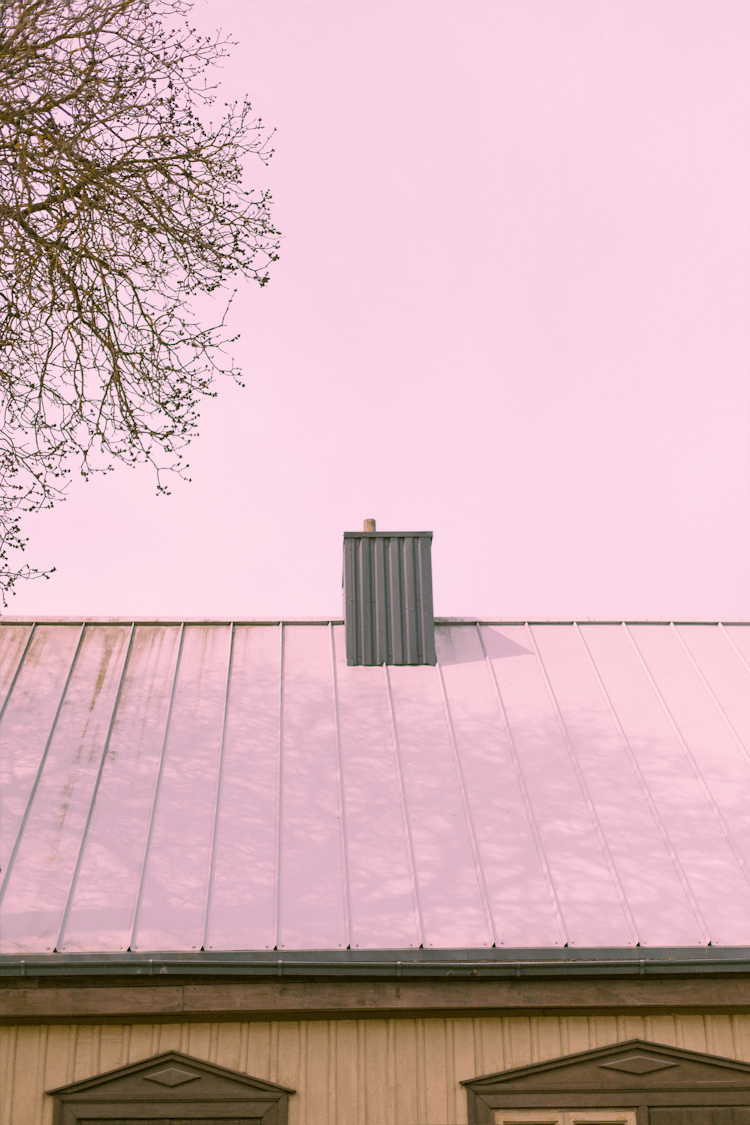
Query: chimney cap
x,y
368,525
389,534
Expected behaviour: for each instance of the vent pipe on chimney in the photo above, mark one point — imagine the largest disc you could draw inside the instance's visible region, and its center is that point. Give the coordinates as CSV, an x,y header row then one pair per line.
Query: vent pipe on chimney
x,y
388,597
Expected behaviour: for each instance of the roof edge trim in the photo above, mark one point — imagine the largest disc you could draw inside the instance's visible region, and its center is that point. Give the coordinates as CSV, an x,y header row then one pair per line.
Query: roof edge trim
x,y
26,619
407,963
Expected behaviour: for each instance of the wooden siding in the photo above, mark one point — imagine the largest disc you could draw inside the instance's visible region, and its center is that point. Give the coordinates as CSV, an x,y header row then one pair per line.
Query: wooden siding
x,y
345,1072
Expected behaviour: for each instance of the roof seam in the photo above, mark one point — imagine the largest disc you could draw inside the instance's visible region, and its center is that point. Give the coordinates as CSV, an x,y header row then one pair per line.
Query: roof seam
x,y
40,768
152,817
710,800
513,751
650,801
710,693
591,809
17,672
217,794
340,796
94,792
489,921
410,858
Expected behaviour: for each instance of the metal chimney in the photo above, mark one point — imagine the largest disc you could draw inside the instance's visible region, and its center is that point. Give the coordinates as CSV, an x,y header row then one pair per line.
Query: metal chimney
x,y
388,597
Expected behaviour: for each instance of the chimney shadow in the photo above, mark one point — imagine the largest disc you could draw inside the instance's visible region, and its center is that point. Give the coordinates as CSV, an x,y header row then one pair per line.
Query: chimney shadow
x,y
460,644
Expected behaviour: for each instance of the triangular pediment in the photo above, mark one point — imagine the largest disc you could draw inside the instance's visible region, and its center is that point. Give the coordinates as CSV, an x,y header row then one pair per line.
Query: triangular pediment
x,y
636,1064
172,1077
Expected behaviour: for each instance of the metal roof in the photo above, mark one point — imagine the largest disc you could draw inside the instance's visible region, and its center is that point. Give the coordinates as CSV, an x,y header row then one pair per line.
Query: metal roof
x,y
168,786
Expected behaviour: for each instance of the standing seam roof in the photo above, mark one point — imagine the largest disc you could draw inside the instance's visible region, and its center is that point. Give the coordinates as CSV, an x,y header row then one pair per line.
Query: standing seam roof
x,y
237,786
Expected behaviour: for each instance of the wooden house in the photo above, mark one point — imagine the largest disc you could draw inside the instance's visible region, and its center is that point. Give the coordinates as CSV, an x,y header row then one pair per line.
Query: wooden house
x,y
248,879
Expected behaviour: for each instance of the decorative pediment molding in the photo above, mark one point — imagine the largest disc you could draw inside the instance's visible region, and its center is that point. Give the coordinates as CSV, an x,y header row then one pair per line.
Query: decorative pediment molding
x,y
635,1073
168,1084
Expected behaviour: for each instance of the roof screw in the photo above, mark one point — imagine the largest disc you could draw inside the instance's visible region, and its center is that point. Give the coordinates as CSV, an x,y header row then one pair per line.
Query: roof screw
x,y
369,525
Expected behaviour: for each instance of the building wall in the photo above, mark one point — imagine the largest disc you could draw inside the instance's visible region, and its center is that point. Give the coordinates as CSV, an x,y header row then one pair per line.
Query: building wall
x,y
346,1072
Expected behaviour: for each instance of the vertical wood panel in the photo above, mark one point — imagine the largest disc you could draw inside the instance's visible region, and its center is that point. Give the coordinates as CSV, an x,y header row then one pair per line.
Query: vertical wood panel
x,y
719,1035
464,1061
435,1070
7,1063
691,1033
740,1030
286,1061
345,1049
302,1084
632,1027
476,1032
198,1041
493,1053
419,1074
28,1075
346,1072
405,1061
578,1036
519,1038
360,1066
112,1048
450,1070
332,1071
229,1046
661,1029
86,1058
550,1042
316,1066
376,1072
141,1042
741,1026
602,1030
58,1069
168,1037
262,1044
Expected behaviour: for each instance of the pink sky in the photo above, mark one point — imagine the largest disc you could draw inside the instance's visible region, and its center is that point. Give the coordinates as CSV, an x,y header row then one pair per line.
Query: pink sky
x,y
512,308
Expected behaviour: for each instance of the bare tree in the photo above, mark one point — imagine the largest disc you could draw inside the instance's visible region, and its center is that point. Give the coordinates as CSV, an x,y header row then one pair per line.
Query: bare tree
x,y
119,201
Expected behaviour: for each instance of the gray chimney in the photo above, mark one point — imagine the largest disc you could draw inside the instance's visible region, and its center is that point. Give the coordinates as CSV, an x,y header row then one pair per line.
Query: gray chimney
x,y
388,597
